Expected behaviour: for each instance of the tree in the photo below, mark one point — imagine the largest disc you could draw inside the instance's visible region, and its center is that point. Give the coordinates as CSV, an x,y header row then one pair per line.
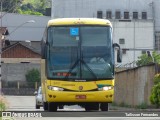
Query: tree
x,y
29,12
10,5
157,79
145,59
35,6
32,7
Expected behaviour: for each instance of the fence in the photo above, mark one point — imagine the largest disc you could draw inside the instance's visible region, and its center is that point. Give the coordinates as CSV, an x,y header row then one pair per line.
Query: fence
x,y
19,87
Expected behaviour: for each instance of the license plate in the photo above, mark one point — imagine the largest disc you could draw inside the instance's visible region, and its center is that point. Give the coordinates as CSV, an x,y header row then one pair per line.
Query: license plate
x,y
80,96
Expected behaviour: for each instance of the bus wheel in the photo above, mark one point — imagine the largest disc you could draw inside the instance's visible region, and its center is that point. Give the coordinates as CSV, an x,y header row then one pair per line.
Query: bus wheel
x,y
37,107
104,106
45,106
87,108
92,106
52,107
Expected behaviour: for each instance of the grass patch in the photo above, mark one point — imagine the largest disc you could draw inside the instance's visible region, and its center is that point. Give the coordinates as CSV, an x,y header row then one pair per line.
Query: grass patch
x,y
3,104
143,105
122,104
114,104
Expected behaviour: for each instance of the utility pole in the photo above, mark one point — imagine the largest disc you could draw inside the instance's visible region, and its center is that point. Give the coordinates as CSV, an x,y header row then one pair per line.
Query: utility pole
x,y
153,17
0,62
1,53
134,44
1,13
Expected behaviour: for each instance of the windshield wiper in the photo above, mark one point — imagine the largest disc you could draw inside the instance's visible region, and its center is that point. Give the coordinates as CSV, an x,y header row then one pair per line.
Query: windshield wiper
x,y
71,69
82,61
75,64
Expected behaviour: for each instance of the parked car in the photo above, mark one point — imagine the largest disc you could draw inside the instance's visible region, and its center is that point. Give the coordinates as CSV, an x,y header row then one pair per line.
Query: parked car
x,y
38,95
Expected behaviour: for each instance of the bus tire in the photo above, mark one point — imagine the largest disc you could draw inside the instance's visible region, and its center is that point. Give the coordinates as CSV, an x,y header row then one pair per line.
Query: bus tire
x,y
37,107
52,107
104,107
45,106
92,106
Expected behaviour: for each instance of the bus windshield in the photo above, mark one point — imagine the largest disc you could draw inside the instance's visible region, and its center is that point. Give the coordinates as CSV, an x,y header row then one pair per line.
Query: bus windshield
x,y
80,53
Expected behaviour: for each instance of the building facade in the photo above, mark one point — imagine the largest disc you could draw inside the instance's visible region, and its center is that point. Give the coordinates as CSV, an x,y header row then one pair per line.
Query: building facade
x,y
135,22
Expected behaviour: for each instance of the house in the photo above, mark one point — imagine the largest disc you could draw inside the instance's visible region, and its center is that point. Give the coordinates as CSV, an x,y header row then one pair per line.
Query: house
x,y
22,49
17,60
27,30
19,52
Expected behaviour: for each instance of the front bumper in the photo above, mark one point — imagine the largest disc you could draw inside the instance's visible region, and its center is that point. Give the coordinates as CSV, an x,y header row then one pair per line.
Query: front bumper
x,y
94,96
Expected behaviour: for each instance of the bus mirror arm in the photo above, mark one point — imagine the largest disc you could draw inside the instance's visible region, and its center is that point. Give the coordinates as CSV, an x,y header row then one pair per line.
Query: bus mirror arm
x,y
119,52
47,43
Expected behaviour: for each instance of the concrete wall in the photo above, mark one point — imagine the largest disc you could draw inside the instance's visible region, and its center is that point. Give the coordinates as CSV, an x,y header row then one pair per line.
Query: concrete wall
x,y
133,86
17,71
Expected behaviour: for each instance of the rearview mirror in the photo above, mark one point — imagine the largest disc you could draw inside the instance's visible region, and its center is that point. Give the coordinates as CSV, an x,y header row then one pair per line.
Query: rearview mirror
x,y
119,52
43,49
119,56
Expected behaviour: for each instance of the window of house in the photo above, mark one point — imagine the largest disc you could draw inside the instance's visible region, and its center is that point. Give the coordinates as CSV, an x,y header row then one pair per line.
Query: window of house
x,y
135,15
109,15
118,15
126,15
121,41
144,15
99,14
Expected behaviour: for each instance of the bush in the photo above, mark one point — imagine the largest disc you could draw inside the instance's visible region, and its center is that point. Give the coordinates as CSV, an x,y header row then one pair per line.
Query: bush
x,y
33,76
155,95
157,79
143,105
2,104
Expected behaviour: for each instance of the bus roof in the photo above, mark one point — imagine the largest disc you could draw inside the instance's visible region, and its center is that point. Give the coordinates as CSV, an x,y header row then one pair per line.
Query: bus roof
x,y
79,21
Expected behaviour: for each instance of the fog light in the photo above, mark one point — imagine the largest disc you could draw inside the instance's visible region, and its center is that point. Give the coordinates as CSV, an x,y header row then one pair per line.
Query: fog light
x,y
50,96
54,96
106,96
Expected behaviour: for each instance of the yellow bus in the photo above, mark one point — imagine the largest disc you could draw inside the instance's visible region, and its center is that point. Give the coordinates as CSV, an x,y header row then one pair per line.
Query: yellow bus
x,y
77,65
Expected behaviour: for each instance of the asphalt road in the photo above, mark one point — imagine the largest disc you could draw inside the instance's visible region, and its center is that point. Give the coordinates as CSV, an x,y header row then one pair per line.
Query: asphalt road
x,y
27,103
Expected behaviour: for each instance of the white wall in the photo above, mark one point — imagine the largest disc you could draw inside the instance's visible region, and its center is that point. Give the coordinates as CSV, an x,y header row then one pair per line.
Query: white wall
x,y
137,34
156,10
89,8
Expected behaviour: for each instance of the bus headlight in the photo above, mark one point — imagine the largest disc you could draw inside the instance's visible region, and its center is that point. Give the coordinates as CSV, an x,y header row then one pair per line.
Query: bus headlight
x,y
105,88
55,88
